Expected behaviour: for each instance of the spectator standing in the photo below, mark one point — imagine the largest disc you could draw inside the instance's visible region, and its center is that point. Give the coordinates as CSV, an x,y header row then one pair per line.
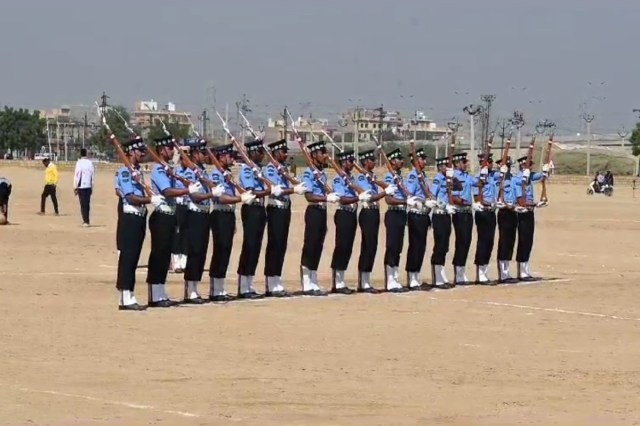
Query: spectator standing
x,y
83,180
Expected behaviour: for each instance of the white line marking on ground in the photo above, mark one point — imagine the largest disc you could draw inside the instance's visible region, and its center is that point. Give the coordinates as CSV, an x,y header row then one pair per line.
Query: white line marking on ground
x,y
108,401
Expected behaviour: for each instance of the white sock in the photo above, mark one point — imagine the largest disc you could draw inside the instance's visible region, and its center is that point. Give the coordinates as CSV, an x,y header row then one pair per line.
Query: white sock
x,y
216,287
523,270
339,277
250,283
118,254
272,284
175,261
314,281
183,261
279,286
482,274
392,283
526,269
441,277
244,284
157,292
192,289
414,279
125,296
504,269
461,274
306,279
365,280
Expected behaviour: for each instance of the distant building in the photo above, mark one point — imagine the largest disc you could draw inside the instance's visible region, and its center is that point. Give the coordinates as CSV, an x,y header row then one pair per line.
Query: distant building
x,y
145,113
308,129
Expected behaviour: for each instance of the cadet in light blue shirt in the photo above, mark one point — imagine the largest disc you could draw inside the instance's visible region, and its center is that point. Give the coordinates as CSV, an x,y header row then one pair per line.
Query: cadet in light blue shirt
x,y
486,179
315,217
441,219
485,219
462,219
395,221
520,182
463,197
507,222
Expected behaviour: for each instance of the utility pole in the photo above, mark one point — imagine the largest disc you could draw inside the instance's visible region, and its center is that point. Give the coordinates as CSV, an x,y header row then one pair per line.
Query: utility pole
x,y
84,129
204,119
103,104
453,126
623,133
503,132
517,121
355,117
472,111
381,115
588,118
285,120
242,105
488,100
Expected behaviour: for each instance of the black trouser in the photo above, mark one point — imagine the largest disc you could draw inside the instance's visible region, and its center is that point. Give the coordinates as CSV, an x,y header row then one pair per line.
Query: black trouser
x,y
49,190
278,221
369,228
441,236
315,230
84,195
346,224
133,231
119,226
463,227
418,225
507,228
223,226
5,191
162,228
395,222
197,242
526,227
486,230
182,223
254,219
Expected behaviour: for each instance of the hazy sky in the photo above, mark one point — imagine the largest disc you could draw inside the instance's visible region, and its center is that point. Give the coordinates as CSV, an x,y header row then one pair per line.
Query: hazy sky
x,y
536,56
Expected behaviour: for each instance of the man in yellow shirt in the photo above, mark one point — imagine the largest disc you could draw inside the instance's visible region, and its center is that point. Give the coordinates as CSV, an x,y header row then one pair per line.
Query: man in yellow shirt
x,y
50,182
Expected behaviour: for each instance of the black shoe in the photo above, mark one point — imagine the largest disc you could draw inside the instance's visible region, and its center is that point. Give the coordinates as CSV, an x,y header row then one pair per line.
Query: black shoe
x,y
250,295
221,298
398,290
343,290
486,282
277,294
166,303
133,307
178,271
508,281
195,301
445,286
369,290
527,279
463,283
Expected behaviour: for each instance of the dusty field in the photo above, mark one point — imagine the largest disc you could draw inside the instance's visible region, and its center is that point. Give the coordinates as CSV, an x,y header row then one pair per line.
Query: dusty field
x,y
560,352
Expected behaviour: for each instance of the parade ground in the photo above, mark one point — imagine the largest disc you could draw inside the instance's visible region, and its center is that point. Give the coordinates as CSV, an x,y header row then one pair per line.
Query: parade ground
x,y
563,351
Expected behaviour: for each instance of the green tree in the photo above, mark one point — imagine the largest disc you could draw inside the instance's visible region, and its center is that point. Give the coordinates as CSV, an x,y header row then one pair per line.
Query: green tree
x,y
635,140
21,130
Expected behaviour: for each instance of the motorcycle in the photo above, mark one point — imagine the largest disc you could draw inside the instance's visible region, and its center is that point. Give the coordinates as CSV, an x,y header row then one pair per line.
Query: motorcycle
x,y
605,189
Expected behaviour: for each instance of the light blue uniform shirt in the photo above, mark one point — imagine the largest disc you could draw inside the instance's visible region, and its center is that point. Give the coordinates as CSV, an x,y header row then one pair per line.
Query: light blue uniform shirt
x,y
249,180
191,175
467,182
160,182
128,186
395,179
518,181
413,184
271,172
218,178
439,189
489,189
342,188
180,171
367,183
315,181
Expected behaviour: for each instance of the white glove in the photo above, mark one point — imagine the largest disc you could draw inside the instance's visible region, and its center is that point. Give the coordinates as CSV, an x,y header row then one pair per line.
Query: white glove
x,y
333,198
542,204
157,200
521,209
500,205
390,189
365,196
300,189
414,202
545,168
450,209
431,204
477,207
195,187
276,190
484,172
449,173
247,197
217,191
504,169
526,173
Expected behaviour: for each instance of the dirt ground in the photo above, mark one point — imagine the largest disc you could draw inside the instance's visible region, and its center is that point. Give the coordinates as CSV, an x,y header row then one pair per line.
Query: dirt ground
x,y
561,352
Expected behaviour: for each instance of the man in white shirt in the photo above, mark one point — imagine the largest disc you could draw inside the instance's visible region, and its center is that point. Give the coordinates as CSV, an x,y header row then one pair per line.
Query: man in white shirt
x,y
83,184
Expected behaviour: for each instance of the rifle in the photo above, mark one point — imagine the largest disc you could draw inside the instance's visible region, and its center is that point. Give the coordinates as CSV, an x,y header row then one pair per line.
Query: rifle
x,y
503,161
243,153
452,148
348,180
423,185
547,158
228,177
396,177
281,170
307,156
121,154
485,163
522,201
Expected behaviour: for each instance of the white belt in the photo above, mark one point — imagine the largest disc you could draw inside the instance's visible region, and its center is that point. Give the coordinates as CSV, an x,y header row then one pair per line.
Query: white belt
x,y
200,208
223,207
422,211
439,211
369,204
257,202
279,203
136,210
398,208
166,209
318,205
349,208
463,209
182,201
